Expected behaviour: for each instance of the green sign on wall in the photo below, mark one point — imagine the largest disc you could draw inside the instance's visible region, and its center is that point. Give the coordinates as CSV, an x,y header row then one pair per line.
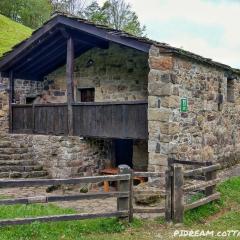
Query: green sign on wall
x,y
184,105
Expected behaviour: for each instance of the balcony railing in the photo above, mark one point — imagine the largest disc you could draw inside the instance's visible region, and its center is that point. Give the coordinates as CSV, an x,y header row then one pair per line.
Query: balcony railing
x,y
105,120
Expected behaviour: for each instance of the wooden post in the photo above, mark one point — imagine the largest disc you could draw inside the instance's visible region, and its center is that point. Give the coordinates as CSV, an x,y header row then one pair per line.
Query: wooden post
x,y
168,199
125,203
11,100
70,84
210,176
177,194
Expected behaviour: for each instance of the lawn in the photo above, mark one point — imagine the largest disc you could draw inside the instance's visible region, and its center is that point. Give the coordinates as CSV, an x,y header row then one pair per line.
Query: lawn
x,y
219,216
11,33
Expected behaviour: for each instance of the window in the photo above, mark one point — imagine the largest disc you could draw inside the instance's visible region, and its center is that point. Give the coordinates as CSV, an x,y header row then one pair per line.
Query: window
x,y
30,100
87,94
230,90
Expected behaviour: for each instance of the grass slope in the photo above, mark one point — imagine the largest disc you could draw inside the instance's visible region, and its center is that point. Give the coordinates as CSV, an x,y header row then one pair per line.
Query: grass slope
x,y
11,33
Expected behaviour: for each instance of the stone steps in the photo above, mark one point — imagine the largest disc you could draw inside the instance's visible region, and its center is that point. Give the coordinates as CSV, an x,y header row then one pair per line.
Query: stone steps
x,y
15,160
17,168
32,174
17,163
13,150
23,156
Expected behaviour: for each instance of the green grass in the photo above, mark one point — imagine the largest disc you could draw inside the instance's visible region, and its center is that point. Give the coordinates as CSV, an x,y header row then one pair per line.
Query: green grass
x,y
230,195
57,230
11,33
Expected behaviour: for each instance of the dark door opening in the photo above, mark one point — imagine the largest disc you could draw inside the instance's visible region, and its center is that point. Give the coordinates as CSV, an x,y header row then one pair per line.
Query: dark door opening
x,y
124,152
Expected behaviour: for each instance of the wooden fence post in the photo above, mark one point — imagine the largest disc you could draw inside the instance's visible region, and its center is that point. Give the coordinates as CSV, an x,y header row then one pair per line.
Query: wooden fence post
x,y
177,193
168,199
210,176
126,203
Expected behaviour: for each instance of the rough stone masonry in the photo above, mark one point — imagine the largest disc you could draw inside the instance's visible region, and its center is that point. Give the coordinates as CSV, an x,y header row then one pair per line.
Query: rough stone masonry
x,y
208,131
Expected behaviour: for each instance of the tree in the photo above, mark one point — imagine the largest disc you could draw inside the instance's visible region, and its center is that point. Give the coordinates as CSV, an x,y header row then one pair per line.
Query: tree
x,y
31,13
69,6
116,14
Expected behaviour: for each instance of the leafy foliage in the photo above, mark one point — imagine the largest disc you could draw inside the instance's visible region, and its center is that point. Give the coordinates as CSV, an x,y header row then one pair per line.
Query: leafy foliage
x,y
31,13
116,14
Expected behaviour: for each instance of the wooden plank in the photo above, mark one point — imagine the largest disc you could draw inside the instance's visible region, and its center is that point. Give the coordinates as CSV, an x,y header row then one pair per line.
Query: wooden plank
x,y
123,203
46,199
187,162
58,218
148,210
168,196
201,185
178,195
10,100
202,201
202,170
149,174
70,85
45,182
137,102
210,176
103,34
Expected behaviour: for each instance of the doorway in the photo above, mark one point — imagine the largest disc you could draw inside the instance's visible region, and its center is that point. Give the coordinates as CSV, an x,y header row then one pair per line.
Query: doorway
x,y
124,152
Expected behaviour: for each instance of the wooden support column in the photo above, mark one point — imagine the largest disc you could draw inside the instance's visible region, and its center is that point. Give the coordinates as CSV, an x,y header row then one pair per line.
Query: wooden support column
x,y
11,100
70,84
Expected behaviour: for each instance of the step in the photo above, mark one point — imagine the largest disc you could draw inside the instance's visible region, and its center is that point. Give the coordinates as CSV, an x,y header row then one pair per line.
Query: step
x,y
17,163
11,150
5,144
19,168
33,174
4,157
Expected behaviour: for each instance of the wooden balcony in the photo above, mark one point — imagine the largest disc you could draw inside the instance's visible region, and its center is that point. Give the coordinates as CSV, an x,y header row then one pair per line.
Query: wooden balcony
x,y
124,120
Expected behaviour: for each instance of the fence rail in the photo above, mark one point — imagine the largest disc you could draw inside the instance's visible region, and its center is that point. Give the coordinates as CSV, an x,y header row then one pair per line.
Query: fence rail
x,y
175,193
176,185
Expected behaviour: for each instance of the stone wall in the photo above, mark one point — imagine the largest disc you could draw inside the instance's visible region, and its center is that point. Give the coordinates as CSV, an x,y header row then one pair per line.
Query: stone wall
x,y
209,131
117,74
60,156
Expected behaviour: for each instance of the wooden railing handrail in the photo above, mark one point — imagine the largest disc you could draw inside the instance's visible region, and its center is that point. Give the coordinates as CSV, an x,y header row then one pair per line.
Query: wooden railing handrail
x,y
45,182
63,198
201,170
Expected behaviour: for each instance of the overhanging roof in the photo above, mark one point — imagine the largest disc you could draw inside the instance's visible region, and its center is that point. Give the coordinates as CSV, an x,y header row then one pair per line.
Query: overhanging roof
x,y
45,50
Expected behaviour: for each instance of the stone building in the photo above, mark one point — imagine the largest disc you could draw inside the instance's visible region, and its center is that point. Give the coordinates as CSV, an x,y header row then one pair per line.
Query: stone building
x,y
119,99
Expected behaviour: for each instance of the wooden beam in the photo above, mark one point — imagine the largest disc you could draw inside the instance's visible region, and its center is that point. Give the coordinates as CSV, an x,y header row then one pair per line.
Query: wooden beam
x,y
58,218
178,195
105,34
202,201
201,185
202,170
60,61
47,199
47,182
148,210
41,52
47,58
11,100
70,83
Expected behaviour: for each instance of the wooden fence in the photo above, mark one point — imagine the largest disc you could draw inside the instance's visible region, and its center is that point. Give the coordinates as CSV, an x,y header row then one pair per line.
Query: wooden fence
x,y
175,192
176,184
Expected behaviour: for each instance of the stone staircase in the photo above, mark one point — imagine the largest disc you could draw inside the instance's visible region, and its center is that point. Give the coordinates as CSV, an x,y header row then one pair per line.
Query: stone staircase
x,y
15,161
